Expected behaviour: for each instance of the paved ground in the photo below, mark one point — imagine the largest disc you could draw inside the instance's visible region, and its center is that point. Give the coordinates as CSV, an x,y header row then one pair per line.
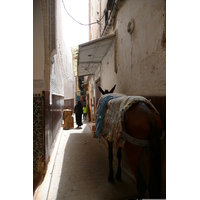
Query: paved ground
x,y
81,168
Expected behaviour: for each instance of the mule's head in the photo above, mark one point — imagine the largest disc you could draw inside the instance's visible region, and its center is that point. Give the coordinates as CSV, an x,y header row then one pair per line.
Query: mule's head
x,y
106,91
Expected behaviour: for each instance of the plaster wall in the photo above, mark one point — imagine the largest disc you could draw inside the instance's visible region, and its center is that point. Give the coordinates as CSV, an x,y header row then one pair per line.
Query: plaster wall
x,y
102,9
140,56
97,73
61,71
57,65
38,48
68,74
94,29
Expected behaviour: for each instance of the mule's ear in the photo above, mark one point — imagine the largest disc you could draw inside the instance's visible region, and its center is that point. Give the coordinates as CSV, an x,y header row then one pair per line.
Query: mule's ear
x,y
100,89
112,90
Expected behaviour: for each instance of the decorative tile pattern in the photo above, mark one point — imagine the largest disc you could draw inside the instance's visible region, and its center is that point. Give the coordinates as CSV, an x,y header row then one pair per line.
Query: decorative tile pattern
x,y
36,95
38,137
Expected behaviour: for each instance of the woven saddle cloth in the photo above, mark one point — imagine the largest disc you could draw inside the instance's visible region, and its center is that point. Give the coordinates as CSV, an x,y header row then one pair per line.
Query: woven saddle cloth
x,y
113,126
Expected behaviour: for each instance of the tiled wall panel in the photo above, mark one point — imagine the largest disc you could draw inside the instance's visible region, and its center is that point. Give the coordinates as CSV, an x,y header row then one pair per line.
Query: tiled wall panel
x,y
47,120
38,130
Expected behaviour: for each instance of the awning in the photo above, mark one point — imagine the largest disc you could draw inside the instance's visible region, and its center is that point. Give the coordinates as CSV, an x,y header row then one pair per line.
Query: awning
x,y
92,53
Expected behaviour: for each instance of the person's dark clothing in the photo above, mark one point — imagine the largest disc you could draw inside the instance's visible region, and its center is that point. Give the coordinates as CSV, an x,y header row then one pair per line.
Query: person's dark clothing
x,y
78,111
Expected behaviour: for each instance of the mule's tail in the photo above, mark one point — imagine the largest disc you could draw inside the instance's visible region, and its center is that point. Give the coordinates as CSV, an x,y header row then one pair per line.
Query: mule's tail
x,y
155,163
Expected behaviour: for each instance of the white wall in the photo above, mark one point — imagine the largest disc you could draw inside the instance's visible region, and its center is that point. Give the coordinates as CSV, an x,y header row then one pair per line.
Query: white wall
x,y
94,29
69,80
61,72
56,74
141,58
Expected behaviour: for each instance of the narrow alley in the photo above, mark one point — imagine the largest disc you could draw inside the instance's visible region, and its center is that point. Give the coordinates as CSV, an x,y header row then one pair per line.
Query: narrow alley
x,y
124,47
80,170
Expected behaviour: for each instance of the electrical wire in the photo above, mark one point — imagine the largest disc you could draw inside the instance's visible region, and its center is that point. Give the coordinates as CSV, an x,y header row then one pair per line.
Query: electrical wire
x,y
97,22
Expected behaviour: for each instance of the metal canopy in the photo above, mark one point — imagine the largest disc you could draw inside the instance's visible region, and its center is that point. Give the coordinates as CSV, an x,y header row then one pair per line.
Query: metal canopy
x,y
92,53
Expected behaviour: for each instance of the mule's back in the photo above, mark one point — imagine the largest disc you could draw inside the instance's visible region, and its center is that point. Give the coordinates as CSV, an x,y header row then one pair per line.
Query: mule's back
x,y
115,115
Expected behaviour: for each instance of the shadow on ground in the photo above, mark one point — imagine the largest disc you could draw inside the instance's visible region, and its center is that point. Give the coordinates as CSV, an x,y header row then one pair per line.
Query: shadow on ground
x,y
84,170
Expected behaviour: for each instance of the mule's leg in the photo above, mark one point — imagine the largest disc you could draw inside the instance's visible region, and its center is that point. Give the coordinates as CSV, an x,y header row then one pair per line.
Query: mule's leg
x,y
110,157
155,181
119,156
141,184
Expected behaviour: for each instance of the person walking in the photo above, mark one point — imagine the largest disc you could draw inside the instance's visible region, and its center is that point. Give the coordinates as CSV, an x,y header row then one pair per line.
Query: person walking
x,y
78,109
84,112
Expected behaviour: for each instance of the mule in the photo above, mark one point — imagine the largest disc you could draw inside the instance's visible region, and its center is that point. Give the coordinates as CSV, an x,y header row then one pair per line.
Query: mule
x,y
143,128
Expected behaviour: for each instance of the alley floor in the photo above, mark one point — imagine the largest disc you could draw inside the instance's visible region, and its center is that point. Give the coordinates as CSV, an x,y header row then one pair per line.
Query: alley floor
x,y
80,170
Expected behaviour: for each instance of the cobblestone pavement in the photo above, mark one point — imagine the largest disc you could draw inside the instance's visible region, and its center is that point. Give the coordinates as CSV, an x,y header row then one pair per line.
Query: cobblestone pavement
x,y
81,170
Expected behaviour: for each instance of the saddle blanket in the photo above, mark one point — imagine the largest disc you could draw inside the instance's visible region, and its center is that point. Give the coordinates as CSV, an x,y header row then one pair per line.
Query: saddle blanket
x,y
111,109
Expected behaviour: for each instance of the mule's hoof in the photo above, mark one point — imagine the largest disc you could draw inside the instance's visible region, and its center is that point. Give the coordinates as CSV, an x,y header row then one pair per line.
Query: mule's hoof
x,y
111,179
118,177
